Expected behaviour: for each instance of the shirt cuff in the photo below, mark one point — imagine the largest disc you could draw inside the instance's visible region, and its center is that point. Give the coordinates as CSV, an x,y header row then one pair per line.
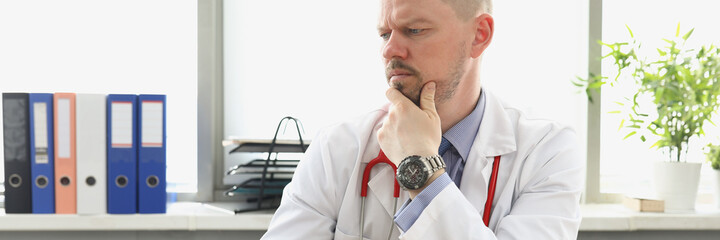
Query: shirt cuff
x,y
411,209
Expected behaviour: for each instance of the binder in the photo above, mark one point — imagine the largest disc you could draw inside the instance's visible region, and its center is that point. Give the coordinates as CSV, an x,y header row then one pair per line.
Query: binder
x,y
122,154
65,184
91,155
42,158
16,143
152,195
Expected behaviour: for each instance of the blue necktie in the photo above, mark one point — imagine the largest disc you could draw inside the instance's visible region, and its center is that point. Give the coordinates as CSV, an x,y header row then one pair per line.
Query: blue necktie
x,y
444,146
451,164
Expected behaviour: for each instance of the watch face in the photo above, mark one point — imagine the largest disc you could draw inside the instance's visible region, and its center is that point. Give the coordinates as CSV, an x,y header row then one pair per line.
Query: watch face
x,y
412,173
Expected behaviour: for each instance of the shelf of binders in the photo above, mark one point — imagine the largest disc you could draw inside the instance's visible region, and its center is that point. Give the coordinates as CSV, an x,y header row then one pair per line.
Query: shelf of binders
x,y
270,175
84,153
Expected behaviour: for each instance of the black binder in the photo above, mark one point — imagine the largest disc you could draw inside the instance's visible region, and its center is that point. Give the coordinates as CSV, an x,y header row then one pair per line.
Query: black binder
x,y
16,136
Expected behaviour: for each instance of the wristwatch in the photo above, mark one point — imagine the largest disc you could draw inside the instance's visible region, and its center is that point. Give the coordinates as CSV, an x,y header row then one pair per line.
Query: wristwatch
x,y
414,171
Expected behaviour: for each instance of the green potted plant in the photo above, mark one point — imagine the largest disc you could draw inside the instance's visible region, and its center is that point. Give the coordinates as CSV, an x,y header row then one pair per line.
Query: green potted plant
x,y
683,85
713,156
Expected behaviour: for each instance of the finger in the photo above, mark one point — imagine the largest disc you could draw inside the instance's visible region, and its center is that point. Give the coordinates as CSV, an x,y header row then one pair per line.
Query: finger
x,y
396,97
427,97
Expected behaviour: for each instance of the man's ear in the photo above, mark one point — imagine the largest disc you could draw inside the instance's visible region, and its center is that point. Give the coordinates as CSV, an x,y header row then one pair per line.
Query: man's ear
x,y
484,29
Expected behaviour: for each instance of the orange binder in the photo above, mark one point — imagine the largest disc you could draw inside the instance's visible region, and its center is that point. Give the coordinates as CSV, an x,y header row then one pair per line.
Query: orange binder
x,y
65,185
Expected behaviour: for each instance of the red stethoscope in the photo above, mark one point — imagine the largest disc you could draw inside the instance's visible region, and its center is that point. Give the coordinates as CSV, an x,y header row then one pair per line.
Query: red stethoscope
x,y
381,158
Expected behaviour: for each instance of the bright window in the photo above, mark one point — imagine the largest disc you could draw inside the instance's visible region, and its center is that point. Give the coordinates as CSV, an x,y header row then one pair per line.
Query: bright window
x,y
129,47
626,165
320,61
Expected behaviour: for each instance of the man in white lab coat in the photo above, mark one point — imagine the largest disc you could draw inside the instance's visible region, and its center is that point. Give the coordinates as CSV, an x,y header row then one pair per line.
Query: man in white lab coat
x,y
441,123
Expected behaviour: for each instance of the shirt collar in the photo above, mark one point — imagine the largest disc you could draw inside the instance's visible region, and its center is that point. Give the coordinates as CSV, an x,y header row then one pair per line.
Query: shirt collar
x,y
462,135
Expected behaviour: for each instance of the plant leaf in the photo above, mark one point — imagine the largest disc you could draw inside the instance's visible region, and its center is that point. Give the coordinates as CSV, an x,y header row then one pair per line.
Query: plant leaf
x,y
656,144
630,31
630,134
687,35
597,84
711,122
577,84
677,32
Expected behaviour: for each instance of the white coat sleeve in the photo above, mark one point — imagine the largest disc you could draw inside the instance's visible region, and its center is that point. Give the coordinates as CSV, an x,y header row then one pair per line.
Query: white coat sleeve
x,y
547,206
308,206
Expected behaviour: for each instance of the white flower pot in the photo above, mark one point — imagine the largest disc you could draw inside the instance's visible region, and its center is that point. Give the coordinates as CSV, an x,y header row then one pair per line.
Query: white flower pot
x,y
677,184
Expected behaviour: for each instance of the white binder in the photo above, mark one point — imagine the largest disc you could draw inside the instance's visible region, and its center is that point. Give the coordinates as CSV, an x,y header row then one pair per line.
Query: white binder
x,y
91,140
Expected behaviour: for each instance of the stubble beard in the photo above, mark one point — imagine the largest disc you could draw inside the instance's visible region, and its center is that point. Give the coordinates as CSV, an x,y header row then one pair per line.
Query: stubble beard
x,y
446,89
411,90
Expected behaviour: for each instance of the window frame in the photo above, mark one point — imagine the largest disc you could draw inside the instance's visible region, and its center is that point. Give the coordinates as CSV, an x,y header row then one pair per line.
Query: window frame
x,y
210,102
592,192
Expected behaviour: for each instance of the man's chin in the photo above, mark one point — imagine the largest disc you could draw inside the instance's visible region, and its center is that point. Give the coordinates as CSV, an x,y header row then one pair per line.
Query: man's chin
x,y
411,94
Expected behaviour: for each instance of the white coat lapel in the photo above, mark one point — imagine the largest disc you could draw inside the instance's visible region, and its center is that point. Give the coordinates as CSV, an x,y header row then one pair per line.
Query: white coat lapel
x,y
495,137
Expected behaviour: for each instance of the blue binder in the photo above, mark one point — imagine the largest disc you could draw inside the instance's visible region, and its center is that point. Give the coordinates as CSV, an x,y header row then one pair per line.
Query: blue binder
x,y
122,153
152,195
42,153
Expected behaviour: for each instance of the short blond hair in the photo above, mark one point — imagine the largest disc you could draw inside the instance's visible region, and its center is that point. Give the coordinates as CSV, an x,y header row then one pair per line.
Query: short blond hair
x,y
466,9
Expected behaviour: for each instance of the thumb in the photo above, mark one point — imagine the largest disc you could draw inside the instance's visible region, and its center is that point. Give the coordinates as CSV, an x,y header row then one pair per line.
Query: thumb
x,y
427,97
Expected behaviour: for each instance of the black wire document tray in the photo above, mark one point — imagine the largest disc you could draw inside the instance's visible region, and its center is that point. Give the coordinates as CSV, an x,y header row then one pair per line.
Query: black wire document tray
x,y
272,187
274,174
260,145
257,165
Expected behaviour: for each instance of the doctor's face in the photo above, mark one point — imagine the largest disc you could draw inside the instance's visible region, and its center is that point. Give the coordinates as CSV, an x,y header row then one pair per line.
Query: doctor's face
x,y
424,41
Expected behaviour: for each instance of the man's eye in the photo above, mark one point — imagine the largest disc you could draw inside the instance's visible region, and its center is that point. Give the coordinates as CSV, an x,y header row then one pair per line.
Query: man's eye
x,y
385,36
414,31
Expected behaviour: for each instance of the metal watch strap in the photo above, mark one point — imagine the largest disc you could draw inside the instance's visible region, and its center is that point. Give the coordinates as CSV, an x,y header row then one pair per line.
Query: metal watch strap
x,y
436,162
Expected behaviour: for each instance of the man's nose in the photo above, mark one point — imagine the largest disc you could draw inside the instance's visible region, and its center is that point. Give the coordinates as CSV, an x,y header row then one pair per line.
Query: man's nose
x,y
395,47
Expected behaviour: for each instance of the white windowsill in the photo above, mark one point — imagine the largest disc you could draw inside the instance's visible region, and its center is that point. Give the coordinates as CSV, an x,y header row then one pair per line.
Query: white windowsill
x,y
188,216
616,217
181,216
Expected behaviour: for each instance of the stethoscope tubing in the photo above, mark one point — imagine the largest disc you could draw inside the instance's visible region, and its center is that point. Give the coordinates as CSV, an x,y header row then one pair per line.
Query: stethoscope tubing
x,y
381,158
491,191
